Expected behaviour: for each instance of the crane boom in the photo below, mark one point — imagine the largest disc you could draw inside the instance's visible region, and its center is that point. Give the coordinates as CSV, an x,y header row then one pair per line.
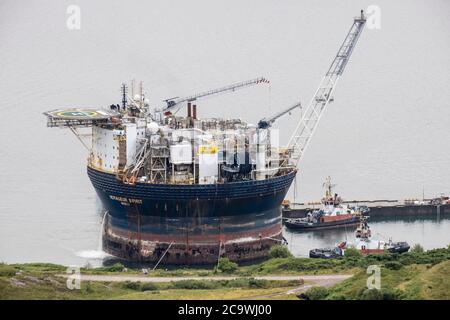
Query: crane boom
x,y
313,112
266,123
175,102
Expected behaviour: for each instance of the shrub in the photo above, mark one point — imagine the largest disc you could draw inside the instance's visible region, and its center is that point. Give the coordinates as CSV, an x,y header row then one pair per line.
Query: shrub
x,y
132,285
352,262
88,288
194,284
258,283
371,294
236,283
389,294
307,264
279,251
316,293
116,267
149,287
352,252
41,267
407,259
227,266
385,256
393,265
7,271
417,248
293,283
375,294
337,296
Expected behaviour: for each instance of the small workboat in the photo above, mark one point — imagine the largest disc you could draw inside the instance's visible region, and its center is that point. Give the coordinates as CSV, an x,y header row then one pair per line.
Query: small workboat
x,y
332,214
399,247
363,242
326,253
366,244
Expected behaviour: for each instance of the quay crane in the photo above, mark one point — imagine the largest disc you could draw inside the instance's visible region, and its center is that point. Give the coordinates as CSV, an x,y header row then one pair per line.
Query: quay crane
x,y
310,118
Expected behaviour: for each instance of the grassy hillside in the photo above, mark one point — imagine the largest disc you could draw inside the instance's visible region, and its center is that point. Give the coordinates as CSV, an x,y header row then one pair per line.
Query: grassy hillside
x,y
412,282
414,275
41,281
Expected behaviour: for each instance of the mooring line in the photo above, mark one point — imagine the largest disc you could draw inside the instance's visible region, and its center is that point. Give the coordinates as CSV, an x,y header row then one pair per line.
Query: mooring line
x,y
162,256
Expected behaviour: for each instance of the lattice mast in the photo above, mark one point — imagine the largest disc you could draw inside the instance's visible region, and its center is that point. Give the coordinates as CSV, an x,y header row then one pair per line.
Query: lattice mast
x,y
313,112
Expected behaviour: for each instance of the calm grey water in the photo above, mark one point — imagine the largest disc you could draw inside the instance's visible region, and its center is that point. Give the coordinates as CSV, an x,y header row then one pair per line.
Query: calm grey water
x,y
430,232
385,136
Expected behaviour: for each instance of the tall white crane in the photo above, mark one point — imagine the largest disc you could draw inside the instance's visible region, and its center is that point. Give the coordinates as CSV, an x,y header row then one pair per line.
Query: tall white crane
x,y
313,112
174,103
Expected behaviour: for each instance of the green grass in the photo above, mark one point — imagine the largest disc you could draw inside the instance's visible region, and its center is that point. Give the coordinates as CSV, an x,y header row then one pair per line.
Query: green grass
x,y
414,275
412,282
34,286
432,283
347,264
203,294
292,265
42,281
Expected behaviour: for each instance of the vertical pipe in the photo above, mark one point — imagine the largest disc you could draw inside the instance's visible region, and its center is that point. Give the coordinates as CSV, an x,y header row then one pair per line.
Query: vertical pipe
x,y
194,111
124,96
189,110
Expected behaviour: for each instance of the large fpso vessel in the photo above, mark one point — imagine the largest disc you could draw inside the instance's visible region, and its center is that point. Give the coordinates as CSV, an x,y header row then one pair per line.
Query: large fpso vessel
x,y
187,188
184,190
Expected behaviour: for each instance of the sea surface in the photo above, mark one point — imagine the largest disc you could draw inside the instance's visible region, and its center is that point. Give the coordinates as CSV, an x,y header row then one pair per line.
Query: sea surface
x,y
428,231
385,136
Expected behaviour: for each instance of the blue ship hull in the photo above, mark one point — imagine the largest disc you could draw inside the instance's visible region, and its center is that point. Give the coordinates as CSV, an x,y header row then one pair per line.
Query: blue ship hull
x,y
191,224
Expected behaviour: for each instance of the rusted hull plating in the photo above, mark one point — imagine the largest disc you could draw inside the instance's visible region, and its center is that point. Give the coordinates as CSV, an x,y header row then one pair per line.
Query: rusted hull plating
x,y
191,224
178,250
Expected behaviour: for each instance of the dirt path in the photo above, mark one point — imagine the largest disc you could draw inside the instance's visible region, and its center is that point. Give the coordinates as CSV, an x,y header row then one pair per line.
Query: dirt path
x,y
310,281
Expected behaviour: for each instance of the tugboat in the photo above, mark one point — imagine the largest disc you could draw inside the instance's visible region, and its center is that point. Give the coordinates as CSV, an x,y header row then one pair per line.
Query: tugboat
x,y
363,242
332,214
367,245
